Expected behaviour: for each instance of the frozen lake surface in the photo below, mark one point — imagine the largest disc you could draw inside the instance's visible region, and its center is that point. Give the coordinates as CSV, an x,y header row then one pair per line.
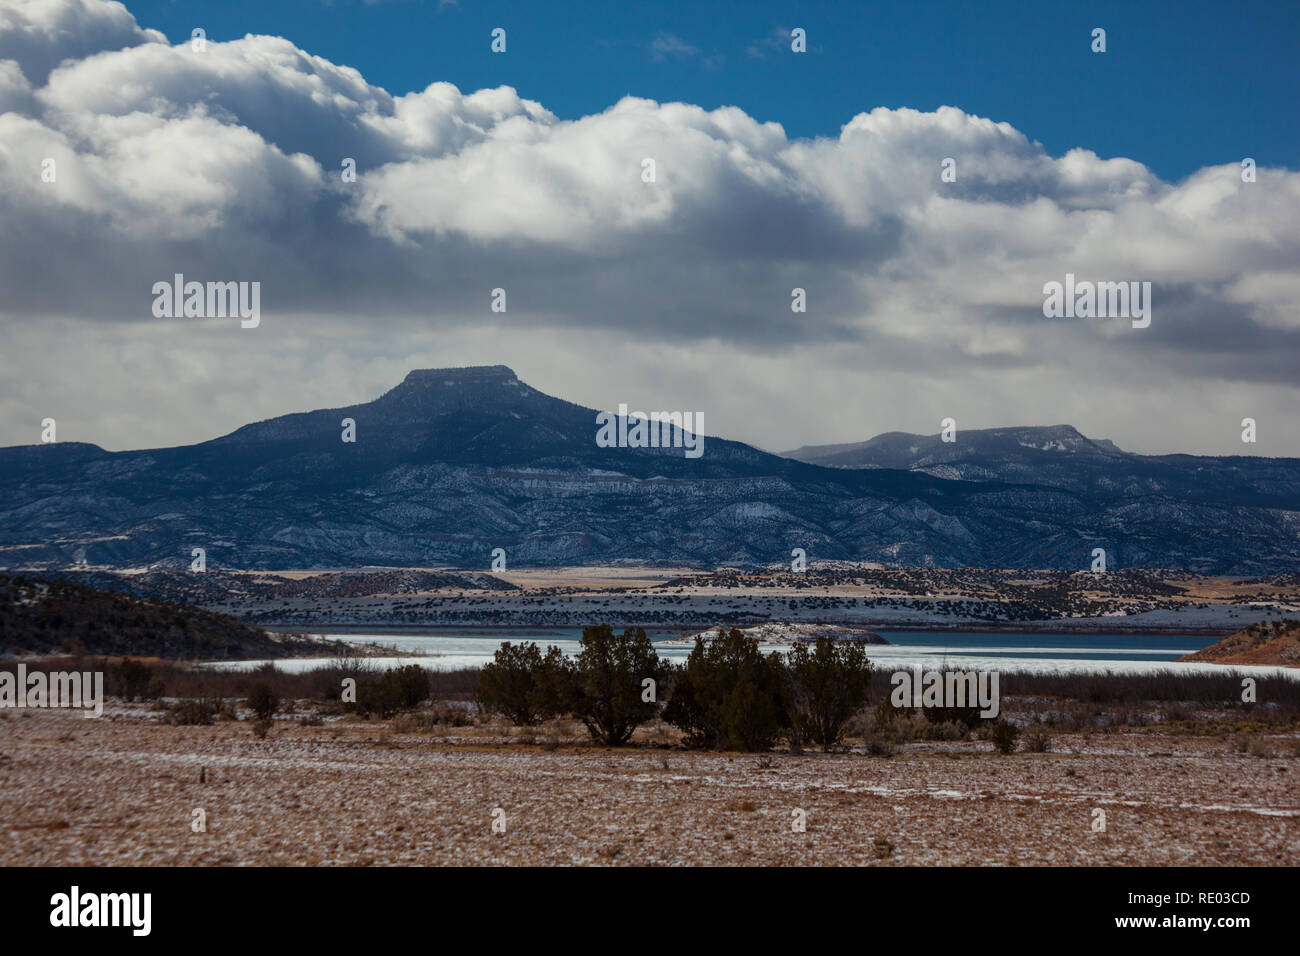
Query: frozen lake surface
x,y
451,648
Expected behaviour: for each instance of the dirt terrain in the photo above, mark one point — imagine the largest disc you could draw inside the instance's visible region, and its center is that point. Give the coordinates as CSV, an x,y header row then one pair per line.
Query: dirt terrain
x,y
1270,643
122,790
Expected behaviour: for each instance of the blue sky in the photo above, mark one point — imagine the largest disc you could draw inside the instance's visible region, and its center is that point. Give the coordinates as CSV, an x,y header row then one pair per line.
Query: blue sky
x,y
1182,84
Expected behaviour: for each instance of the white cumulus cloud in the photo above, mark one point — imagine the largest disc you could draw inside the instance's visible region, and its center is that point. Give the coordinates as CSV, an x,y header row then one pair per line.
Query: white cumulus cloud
x,y
924,296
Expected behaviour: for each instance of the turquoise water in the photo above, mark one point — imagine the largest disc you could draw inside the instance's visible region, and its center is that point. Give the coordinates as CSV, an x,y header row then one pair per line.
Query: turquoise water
x,y
1052,646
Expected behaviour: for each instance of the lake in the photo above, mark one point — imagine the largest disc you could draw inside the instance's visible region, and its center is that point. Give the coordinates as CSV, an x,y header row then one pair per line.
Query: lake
x,y
450,648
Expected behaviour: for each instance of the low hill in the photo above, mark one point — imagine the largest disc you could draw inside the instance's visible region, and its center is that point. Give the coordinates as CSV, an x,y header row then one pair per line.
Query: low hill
x,y
1274,643
40,617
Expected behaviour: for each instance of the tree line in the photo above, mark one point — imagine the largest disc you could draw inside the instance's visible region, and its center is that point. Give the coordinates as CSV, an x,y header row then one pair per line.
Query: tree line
x,y
727,695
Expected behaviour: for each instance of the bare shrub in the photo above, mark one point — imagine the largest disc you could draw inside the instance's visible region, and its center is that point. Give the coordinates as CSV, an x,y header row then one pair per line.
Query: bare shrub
x,y
1252,744
191,713
1037,741
1004,734
262,701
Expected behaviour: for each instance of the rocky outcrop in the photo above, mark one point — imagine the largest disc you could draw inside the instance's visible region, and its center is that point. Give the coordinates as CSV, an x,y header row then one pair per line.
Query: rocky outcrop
x,y
1271,643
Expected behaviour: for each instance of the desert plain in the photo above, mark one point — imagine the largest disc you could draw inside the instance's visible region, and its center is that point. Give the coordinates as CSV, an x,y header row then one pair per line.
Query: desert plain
x,y
127,789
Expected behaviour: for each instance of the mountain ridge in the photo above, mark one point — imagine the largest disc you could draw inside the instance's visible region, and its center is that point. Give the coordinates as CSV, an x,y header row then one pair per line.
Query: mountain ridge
x,y
1056,435
450,464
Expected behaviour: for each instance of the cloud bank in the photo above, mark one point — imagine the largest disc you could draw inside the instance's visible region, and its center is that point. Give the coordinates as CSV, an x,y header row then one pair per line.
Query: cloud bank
x,y
924,297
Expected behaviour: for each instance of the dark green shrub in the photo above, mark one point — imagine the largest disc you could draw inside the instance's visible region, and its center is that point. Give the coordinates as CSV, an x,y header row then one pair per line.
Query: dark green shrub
x,y
392,691
608,691
525,686
555,684
410,684
728,695
826,685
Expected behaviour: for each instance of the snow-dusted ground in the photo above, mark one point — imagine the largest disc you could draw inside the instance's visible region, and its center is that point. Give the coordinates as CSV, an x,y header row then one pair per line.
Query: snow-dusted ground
x,y
123,790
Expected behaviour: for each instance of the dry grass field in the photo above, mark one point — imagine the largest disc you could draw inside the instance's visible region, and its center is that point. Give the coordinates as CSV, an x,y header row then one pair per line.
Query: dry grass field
x,y
122,790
